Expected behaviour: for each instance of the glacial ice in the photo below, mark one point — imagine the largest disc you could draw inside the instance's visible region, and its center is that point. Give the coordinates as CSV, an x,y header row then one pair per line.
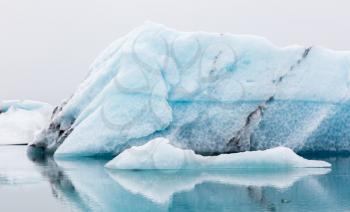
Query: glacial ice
x,y
160,154
209,92
20,120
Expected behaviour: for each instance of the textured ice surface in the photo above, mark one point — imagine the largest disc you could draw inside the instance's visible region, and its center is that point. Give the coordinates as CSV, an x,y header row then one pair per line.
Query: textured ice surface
x,y
160,154
20,120
209,92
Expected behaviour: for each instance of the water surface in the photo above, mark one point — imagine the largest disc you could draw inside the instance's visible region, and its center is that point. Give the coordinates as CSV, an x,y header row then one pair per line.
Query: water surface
x,y
85,185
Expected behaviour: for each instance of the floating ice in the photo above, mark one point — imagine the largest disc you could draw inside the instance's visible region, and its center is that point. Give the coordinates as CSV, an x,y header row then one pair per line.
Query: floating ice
x,y
160,154
28,105
209,92
20,120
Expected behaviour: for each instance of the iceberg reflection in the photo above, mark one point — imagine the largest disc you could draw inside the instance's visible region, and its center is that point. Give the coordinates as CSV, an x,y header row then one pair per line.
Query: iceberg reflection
x,y
83,184
15,168
61,186
160,186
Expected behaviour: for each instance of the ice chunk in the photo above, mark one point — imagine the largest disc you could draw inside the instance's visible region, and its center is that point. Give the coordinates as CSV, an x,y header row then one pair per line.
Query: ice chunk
x,y
29,105
160,154
20,120
209,92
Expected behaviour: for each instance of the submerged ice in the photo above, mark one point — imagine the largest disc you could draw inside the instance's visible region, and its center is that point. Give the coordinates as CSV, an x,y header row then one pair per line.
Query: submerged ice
x,y
209,92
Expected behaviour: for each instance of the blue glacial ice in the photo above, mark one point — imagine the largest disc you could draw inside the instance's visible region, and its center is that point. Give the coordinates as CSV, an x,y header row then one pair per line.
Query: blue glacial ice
x,y
209,92
20,120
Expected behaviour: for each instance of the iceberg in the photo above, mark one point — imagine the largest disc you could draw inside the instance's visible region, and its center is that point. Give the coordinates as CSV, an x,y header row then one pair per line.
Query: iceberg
x,y
20,120
160,154
212,93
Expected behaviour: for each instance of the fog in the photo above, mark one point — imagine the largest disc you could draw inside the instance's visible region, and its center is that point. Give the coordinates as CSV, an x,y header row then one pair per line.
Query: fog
x,y
47,46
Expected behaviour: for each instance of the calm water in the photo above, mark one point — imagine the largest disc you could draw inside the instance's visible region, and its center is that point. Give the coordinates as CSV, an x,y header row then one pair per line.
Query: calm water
x,y
84,185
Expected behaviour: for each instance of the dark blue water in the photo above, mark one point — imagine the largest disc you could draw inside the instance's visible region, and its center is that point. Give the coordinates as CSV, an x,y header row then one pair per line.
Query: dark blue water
x,y
85,185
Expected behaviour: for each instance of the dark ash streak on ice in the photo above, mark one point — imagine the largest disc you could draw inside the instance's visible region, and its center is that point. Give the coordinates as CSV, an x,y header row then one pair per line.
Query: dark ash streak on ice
x,y
51,138
242,140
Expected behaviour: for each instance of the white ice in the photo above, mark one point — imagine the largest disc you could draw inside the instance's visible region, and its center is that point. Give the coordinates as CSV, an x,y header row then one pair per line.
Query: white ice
x,y
20,120
160,154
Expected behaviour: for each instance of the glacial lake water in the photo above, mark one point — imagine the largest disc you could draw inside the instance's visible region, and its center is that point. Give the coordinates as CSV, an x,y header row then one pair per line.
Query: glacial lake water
x,y
85,185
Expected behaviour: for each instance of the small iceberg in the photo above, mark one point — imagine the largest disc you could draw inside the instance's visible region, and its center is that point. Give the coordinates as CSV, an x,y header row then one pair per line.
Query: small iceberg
x,y
159,153
20,120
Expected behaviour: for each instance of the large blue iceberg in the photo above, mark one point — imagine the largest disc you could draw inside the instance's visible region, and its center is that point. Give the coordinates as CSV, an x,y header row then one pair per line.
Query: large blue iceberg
x,y
210,92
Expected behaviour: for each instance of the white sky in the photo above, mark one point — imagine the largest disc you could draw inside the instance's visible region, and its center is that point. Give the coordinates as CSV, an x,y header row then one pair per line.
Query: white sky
x,y
46,46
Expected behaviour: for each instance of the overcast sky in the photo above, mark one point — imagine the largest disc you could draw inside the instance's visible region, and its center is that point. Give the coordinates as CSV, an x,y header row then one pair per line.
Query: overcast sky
x,y
46,46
